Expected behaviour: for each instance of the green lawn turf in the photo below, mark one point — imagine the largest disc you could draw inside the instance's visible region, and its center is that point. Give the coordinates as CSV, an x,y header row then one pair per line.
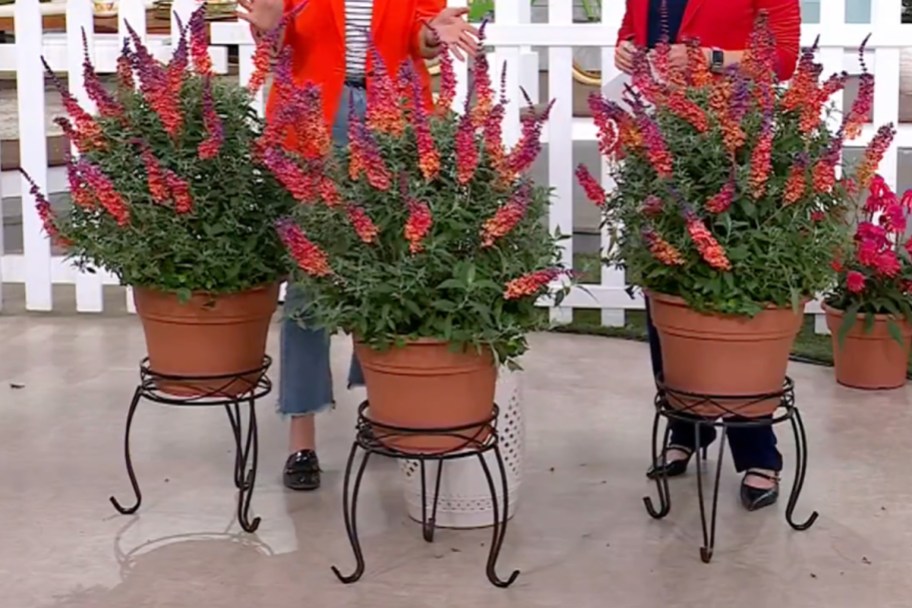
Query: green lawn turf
x,y
809,346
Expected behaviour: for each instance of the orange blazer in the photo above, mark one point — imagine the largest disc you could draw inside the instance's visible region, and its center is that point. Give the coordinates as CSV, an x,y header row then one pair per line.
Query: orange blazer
x,y
727,24
317,39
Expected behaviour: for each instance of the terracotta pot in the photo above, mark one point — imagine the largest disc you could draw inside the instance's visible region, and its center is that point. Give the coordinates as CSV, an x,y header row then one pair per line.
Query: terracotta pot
x,y
870,360
208,336
425,385
724,355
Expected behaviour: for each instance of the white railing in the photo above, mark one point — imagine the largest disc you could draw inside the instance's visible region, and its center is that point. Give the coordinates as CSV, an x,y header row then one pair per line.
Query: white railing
x,y
513,37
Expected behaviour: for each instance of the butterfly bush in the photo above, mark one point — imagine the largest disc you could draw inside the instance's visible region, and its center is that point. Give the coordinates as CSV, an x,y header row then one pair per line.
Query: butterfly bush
x,y
727,191
874,275
169,189
426,225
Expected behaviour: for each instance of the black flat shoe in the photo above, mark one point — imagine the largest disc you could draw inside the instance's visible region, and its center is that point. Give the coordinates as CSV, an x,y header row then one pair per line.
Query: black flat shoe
x,y
756,498
302,471
674,468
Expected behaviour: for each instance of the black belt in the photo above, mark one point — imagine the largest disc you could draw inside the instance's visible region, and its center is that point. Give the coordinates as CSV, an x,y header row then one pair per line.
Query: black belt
x,y
355,83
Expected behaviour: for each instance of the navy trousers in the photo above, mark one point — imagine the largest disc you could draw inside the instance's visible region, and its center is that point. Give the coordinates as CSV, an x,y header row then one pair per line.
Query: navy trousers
x,y
751,447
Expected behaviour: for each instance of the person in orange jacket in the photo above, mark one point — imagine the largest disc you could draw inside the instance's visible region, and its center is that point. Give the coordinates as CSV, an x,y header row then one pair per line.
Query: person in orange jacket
x,y
329,41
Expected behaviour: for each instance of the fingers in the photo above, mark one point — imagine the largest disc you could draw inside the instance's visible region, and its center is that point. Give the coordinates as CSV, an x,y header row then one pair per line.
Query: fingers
x,y
458,54
244,16
456,12
623,60
247,5
467,47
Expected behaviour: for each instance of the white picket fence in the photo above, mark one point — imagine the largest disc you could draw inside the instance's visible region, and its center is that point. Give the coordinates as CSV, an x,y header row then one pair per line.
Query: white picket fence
x,y
516,42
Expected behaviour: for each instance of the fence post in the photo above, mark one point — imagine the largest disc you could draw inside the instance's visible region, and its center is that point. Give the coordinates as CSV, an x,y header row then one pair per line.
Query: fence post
x,y
560,141
32,150
612,278
132,12
79,21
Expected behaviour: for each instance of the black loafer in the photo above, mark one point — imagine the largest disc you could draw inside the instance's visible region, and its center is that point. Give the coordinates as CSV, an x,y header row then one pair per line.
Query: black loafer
x,y
756,498
302,471
674,468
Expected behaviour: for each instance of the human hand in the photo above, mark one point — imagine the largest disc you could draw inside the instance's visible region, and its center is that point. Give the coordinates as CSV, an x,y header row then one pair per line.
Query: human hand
x,y
624,55
450,27
262,15
679,57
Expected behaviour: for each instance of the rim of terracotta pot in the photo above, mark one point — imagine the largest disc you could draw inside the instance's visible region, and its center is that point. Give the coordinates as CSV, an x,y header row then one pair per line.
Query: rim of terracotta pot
x,y
678,300
838,312
208,294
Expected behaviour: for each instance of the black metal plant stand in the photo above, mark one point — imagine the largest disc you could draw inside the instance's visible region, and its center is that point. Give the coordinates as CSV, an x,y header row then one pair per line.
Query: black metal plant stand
x,y
375,438
731,418
212,391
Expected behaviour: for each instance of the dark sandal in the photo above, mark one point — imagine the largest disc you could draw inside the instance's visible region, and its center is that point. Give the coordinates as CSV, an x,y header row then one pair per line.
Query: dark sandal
x,y
757,498
673,468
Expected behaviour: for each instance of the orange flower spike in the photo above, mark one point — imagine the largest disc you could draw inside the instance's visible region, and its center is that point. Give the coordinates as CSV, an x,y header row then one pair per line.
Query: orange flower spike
x,y
697,66
447,92
661,249
710,250
307,255
384,112
796,184
363,225
417,226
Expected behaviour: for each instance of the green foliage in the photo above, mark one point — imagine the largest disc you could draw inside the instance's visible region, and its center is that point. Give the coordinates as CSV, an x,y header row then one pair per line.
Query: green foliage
x,y
778,240
874,276
453,288
226,243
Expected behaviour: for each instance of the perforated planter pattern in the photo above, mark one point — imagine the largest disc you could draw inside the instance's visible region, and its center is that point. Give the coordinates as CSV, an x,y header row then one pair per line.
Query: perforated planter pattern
x,y
465,500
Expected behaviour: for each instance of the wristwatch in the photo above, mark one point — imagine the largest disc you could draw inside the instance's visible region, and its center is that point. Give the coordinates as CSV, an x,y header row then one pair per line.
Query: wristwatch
x,y
716,60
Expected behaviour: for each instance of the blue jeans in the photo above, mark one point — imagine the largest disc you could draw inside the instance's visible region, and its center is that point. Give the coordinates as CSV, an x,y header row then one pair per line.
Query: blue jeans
x,y
305,377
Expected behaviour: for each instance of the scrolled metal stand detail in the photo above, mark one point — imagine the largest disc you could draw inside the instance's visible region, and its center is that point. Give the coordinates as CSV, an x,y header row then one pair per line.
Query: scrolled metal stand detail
x,y
479,439
787,411
211,391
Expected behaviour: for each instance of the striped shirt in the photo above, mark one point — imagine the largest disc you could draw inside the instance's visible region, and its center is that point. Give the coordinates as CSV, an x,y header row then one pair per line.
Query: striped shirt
x,y
357,31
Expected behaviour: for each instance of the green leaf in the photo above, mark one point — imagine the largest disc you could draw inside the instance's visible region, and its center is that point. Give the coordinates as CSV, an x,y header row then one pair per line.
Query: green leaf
x,y
896,333
848,321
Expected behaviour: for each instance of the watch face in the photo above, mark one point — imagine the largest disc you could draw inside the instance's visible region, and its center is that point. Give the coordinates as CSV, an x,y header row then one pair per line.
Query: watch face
x,y
718,60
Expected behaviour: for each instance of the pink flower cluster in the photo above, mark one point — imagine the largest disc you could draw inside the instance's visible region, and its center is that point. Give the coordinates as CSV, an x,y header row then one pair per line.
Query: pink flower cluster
x,y
882,252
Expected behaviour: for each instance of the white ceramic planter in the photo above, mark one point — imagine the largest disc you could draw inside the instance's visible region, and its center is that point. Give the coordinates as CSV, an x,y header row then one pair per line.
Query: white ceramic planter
x,y
465,499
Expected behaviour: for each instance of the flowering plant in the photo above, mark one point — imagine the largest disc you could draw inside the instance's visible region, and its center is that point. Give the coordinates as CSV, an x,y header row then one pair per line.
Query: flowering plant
x,y
425,226
168,190
727,191
875,276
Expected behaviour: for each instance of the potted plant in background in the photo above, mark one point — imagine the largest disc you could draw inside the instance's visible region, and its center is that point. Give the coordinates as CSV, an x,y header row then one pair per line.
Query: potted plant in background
x,y
728,210
870,309
170,197
429,247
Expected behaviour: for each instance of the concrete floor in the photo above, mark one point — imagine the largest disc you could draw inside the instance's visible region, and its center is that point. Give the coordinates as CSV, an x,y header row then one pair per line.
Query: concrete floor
x,y
580,535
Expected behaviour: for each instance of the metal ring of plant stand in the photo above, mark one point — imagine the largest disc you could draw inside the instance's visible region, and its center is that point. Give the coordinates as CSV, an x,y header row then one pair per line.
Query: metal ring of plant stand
x,y
479,437
787,411
246,441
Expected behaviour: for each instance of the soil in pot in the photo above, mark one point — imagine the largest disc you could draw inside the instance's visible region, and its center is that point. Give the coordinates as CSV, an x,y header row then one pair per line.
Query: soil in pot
x,y
210,335
724,355
870,360
425,385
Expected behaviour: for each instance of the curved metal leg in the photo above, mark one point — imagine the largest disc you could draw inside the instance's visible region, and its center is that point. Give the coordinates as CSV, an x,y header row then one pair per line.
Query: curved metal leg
x,y
241,451
350,515
137,395
800,472
247,476
428,526
500,523
661,480
709,532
